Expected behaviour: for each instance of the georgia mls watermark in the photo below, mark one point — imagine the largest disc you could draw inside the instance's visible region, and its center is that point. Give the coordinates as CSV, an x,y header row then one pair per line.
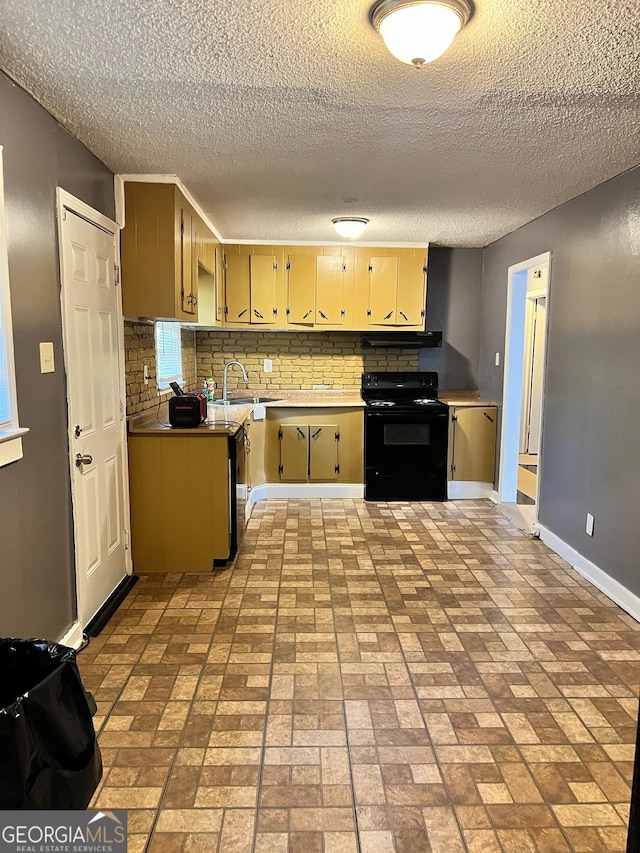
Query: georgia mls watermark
x,y
63,832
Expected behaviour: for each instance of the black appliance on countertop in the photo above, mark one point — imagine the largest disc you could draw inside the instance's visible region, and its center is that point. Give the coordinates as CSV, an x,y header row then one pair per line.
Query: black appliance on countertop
x,y
405,437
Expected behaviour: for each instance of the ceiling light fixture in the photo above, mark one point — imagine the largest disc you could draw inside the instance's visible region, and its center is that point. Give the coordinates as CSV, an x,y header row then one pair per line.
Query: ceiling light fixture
x,y
419,31
350,227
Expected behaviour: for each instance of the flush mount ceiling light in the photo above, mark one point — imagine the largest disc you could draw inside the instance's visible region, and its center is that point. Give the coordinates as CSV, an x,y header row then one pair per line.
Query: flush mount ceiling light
x,y
419,31
350,227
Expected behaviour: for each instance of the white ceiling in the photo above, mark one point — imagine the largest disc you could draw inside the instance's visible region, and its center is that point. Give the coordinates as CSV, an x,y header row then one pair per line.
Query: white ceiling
x,y
279,116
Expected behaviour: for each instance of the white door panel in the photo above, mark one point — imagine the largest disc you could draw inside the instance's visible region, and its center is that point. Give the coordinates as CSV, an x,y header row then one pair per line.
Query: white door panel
x,y
96,426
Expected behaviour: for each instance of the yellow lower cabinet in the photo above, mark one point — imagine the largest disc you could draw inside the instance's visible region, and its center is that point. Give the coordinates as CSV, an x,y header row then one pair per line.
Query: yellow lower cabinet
x,y
294,451
309,452
472,443
323,452
180,502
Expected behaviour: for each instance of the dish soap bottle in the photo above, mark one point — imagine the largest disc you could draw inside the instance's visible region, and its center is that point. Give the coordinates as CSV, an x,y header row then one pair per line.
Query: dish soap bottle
x,y
210,393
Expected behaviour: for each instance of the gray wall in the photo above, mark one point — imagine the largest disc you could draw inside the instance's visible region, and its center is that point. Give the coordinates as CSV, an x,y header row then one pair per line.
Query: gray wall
x,y
591,428
453,307
36,532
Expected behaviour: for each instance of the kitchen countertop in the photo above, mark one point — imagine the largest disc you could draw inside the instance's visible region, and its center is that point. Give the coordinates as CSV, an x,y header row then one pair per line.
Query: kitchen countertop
x,y
464,398
229,419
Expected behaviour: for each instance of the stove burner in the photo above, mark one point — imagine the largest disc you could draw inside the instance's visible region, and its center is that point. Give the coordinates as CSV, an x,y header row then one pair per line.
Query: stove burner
x,y
381,404
424,402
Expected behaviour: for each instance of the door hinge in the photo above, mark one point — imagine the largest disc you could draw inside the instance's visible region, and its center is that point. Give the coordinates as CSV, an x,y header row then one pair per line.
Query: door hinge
x,y
288,265
280,469
225,265
337,436
116,273
368,312
422,313
424,268
288,311
275,267
126,539
454,418
453,467
337,469
226,310
370,268
344,267
280,436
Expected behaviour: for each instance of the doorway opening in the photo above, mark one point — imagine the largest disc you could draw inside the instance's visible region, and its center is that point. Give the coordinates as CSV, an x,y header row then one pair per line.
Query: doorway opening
x,y
523,390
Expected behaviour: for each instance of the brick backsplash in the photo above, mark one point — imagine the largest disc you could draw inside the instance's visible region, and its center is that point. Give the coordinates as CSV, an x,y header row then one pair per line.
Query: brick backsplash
x,y
300,359
140,349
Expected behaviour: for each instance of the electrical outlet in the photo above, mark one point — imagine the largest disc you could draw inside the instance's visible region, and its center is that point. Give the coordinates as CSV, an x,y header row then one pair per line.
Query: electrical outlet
x,y
268,365
145,374
47,361
497,359
590,523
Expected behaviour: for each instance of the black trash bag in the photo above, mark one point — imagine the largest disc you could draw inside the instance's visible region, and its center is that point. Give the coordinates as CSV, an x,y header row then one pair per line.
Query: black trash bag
x,y
49,755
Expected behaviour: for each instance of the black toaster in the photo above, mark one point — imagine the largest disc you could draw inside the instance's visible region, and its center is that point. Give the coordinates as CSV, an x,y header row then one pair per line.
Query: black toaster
x,y
187,411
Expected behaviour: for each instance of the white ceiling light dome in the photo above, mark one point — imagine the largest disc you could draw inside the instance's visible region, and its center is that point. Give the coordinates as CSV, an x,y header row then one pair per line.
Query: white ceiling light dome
x,y
419,31
350,227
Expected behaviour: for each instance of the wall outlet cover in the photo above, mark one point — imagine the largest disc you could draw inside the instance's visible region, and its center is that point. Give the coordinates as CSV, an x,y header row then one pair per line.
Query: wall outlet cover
x,y
47,361
268,365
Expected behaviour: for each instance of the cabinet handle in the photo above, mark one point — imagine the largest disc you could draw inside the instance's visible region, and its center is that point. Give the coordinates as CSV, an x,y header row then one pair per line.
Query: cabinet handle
x,y
301,432
323,315
258,314
244,311
317,433
306,315
388,315
488,416
402,314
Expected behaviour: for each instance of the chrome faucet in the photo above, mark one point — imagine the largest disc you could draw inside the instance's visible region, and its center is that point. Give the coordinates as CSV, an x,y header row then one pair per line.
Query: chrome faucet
x,y
224,377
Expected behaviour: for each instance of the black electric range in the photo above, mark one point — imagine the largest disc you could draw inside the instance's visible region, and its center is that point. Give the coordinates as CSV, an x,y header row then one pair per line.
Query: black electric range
x,y
405,437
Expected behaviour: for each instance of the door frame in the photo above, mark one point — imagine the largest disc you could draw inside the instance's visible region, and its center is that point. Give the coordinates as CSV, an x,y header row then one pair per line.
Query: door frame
x,y
66,201
512,389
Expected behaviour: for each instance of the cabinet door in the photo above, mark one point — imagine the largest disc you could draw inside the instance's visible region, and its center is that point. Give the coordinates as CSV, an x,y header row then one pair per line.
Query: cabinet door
x,y
323,452
474,443
411,292
188,264
301,276
263,288
383,289
237,292
294,451
329,290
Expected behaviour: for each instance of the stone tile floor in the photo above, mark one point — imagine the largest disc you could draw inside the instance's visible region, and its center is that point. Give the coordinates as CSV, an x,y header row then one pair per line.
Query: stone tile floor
x,y
369,678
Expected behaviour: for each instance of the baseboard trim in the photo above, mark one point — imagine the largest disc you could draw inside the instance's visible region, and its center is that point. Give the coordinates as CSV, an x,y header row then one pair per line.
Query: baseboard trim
x,y
494,496
459,490
97,623
612,588
305,490
73,637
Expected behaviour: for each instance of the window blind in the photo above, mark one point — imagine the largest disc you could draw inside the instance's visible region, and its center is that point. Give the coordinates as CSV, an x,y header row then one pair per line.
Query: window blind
x,y
5,402
168,354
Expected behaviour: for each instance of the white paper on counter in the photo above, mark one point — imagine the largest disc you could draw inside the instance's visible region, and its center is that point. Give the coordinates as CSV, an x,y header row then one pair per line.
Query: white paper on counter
x,y
259,412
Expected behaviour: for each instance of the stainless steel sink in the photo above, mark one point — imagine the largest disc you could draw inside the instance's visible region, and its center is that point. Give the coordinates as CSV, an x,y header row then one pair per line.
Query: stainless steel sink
x,y
247,401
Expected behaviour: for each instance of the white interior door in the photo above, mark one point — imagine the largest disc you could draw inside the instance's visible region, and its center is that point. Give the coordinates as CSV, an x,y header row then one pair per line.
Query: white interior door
x,y
532,380
537,370
91,313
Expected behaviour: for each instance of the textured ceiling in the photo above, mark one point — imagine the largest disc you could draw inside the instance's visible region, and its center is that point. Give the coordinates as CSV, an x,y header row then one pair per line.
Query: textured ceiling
x,y
279,116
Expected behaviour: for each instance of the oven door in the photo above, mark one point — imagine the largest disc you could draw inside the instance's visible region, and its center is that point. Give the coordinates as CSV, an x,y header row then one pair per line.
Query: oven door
x,y
406,454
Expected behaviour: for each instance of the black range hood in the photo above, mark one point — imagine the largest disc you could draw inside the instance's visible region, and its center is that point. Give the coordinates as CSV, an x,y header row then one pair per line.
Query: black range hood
x,y
402,339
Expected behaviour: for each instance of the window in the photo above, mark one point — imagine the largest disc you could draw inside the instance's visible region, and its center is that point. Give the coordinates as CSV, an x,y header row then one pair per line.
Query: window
x,y
10,432
168,354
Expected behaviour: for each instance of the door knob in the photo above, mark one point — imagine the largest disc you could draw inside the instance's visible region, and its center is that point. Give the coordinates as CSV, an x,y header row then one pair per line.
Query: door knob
x,y
83,460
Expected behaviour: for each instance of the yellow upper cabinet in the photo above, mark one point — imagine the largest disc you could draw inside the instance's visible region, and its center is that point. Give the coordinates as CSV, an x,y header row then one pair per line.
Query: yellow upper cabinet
x,y
397,288
251,286
301,289
165,247
315,288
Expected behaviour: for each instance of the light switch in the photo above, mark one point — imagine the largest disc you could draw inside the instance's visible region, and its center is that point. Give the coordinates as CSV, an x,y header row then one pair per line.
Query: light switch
x,y
497,359
590,524
47,363
268,365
